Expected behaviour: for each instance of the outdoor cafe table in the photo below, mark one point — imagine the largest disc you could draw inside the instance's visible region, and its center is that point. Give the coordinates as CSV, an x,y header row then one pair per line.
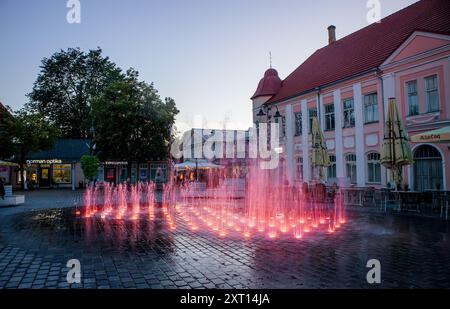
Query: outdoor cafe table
x,y
407,199
443,198
401,198
354,195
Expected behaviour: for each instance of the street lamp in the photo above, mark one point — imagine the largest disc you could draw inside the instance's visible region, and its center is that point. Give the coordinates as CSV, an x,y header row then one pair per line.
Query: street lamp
x,y
277,114
261,113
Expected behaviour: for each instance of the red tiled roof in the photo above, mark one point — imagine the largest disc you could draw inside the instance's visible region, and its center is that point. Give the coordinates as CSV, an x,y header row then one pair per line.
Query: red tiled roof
x,y
365,49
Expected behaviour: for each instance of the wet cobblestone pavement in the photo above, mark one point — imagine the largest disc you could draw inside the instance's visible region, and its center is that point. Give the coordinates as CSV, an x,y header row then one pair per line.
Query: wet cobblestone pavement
x,y
35,245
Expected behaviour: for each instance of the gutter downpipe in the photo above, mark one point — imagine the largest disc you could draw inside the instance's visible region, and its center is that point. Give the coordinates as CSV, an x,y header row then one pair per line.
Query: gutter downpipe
x,y
378,74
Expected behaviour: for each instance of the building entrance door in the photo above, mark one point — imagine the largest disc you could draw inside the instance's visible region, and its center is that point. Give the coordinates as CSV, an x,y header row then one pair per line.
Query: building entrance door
x,y
44,177
110,174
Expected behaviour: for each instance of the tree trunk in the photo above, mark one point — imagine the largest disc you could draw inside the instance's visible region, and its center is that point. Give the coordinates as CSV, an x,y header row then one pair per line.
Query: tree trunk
x,y
22,169
21,175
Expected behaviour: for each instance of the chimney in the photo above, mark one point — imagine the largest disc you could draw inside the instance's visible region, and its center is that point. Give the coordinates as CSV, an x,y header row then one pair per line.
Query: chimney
x,y
331,34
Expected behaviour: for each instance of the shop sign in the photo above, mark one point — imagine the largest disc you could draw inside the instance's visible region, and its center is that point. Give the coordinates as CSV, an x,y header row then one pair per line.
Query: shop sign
x,y
115,163
48,161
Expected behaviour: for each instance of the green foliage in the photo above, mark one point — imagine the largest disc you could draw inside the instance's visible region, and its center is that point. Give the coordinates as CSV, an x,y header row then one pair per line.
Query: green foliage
x,y
66,85
28,132
31,132
131,121
90,165
6,134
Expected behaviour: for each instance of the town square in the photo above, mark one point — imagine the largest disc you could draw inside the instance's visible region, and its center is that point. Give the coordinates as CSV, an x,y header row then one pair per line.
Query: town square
x,y
186,153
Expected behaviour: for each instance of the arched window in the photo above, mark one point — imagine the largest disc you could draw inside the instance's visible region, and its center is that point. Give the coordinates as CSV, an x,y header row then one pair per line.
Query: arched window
x,y
427,169
332,167
373,168
350,166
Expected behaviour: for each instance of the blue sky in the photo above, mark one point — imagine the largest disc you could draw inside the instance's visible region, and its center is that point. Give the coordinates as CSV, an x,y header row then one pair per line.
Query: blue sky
x,y
207,54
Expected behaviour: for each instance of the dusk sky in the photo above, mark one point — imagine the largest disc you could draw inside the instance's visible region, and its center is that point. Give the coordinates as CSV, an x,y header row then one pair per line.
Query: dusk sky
x,y
207,54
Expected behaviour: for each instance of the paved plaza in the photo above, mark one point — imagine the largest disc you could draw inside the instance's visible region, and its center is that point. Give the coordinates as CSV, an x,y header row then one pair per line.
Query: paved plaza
x,y
38,238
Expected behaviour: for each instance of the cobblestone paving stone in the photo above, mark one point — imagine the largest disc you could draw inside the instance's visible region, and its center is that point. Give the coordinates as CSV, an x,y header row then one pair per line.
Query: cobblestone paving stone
x,y
36,243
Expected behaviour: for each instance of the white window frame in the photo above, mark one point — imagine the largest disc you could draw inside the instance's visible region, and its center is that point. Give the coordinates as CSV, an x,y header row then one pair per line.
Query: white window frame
x,y
373,162
352,165
330,121
428,91
344,114
332,166
372,106
411,94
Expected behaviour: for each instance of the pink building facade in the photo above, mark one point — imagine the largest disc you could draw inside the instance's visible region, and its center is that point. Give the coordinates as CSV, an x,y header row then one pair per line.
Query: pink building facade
x,y
347,85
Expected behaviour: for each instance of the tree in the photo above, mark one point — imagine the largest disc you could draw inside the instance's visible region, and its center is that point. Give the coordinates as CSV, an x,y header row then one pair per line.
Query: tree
x,y
89,165
66,86
131,121
30,132
6,125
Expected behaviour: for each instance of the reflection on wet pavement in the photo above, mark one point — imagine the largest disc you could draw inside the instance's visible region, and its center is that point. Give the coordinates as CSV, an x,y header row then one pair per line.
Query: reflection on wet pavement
x,y
147,253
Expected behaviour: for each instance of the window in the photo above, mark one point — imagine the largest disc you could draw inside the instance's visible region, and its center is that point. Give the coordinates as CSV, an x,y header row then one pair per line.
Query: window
x,y
350,166
298,123
329,117
62,173
370,108
332,168
373,168
312,114
349,113
427,169
143,172
123,174
432,93
299,168
413,102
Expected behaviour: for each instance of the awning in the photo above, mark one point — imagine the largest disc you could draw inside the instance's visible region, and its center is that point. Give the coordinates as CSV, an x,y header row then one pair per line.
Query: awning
x,y
441,135
6,163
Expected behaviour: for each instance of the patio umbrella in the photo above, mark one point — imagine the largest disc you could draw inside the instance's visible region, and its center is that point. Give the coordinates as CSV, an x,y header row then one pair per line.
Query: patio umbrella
x,y
441,135
6,163
395,151
320,157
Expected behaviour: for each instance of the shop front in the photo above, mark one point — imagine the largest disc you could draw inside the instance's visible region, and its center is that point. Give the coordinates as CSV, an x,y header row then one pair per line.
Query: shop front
x,y
116,172
58,167
49,173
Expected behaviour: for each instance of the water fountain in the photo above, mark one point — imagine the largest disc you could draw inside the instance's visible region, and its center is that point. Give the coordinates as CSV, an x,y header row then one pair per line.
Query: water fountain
x,y
267,208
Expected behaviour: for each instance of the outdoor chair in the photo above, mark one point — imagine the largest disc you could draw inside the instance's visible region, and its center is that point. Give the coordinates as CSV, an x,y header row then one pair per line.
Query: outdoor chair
x,y
445,204
389,199
410,201
369,196
430,201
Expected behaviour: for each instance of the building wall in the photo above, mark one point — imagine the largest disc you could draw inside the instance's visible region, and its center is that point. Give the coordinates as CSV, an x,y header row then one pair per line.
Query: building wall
x,y
365,138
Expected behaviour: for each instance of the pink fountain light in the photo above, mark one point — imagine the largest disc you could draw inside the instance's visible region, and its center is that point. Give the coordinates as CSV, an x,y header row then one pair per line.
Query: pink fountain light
x,y
266,207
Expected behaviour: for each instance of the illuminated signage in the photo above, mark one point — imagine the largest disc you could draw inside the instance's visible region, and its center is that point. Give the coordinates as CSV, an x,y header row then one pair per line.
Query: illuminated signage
x,y
50,161
430,136
115,163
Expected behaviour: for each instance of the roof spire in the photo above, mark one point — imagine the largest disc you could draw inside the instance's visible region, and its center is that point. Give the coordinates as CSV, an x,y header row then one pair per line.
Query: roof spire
x,y
270,59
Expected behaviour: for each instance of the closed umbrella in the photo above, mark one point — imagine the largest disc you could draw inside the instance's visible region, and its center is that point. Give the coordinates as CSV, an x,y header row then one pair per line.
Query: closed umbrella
x,y
395,151
320,157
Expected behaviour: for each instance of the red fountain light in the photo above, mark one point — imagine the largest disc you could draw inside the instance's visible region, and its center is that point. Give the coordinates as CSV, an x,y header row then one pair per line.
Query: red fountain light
x,y
267,209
